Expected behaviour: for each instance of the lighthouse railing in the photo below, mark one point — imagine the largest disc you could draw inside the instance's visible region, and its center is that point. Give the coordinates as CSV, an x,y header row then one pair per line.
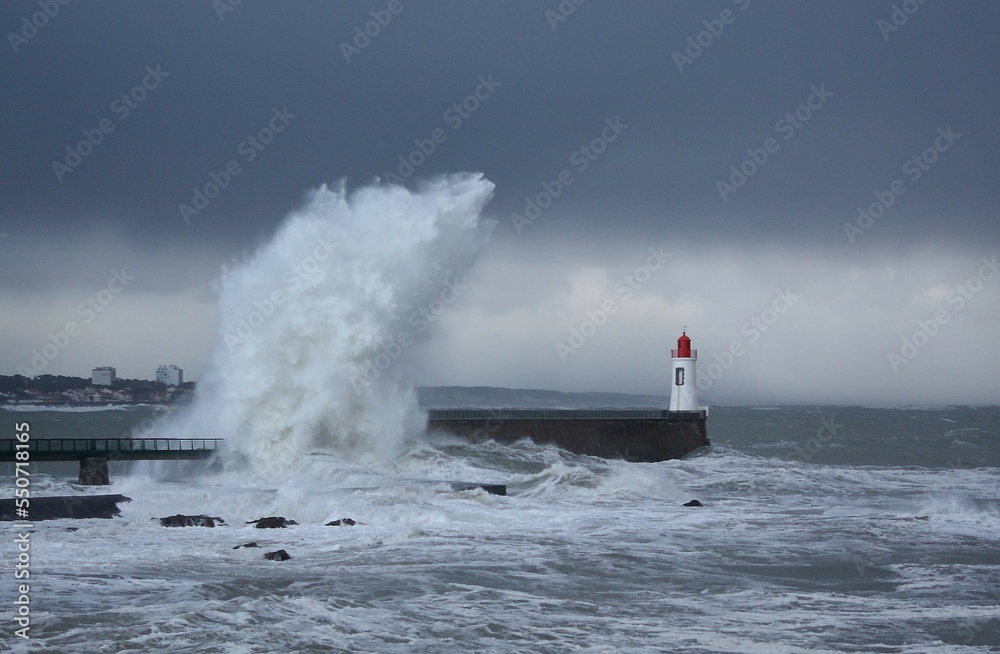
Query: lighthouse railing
x,y
675,354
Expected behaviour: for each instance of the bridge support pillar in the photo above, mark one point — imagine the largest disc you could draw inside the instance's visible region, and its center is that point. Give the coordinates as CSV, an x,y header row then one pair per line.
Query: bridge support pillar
x,y
94,471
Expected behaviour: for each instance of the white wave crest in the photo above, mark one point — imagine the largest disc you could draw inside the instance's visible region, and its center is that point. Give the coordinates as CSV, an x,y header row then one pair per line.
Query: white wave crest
x,y
303,363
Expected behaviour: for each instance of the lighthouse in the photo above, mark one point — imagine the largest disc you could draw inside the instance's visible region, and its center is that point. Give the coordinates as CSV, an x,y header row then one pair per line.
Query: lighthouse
x,y
684,392
633,434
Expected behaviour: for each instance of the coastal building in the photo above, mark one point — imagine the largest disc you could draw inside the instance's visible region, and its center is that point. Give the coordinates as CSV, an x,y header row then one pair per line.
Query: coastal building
x,y
169,375
103,376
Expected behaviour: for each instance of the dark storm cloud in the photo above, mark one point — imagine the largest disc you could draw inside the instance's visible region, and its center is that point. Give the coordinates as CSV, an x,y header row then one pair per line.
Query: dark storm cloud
x,y
761,128
695,104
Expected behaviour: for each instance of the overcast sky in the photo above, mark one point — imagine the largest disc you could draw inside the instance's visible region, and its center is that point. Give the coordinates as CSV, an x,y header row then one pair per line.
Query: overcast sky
x,y
812,188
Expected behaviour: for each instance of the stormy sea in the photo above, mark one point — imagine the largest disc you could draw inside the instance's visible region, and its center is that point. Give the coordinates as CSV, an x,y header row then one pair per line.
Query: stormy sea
x,y
821,529
824,529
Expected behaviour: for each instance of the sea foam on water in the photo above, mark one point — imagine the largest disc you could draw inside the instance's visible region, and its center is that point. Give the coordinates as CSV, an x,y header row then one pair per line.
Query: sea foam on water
x,y
304,320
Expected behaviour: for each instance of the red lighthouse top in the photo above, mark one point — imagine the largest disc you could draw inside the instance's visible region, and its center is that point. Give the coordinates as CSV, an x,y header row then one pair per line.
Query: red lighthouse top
x,y
684,346
684,350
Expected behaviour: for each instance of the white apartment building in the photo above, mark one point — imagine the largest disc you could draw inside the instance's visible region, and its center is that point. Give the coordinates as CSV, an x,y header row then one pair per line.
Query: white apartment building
x,y
103,376
169,375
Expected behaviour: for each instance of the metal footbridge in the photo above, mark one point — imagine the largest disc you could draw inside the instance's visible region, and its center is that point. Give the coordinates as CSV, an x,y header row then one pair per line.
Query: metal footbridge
x,y
94,453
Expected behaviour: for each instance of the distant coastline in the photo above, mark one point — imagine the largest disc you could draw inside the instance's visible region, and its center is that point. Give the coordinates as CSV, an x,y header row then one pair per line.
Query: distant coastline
x,y
60,391
63,391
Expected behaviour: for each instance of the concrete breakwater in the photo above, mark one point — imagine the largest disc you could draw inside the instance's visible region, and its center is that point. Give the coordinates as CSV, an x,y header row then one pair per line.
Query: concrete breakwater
x,y
643,435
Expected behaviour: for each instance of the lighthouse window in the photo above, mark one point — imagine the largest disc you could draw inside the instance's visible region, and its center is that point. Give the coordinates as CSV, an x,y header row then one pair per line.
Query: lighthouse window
x,y
678,376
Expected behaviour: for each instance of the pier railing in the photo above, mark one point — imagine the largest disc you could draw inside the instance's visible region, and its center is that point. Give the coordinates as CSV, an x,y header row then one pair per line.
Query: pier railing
x,y
72,449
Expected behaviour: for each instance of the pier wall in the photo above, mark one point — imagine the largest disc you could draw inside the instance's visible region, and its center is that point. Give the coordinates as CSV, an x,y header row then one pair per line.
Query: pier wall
x,y
646,437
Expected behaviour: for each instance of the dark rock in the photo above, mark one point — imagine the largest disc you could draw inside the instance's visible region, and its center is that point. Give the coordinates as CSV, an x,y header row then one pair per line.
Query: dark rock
x,y
250,544
181,520
72,528
280,555
492,489
343,522
271,522
693,503
65,506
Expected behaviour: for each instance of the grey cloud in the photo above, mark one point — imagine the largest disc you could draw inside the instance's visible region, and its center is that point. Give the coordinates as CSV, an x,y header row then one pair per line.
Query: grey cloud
x,y
738,98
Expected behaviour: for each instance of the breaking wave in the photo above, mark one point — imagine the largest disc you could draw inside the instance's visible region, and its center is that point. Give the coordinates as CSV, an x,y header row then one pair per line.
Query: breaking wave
x,y
313,323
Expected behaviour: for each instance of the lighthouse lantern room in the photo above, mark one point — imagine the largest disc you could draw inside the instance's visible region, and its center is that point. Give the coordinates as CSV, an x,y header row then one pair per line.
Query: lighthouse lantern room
x,y
684,392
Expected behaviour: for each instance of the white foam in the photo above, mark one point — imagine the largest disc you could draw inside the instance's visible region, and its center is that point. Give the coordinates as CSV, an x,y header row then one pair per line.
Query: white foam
x,y
303,364
584,554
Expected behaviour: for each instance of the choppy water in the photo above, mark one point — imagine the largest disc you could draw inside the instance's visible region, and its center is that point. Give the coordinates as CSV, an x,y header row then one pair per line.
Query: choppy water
x,y
824,530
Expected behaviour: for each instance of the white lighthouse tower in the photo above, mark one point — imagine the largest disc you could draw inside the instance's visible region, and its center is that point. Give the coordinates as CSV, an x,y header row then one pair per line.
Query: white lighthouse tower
x,y
684,392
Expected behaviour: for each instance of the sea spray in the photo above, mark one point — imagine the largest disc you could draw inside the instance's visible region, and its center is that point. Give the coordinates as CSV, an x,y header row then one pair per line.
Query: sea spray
x,y
307,314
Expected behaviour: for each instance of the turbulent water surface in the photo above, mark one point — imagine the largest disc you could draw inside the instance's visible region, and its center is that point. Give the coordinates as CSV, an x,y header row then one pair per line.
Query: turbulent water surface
x,y
824,530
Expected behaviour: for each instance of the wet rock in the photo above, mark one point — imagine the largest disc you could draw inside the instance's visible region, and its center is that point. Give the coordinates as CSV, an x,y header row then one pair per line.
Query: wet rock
x,y
181,520
280,555
693,503
492,489
343,522
271,522
65,506
250,544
